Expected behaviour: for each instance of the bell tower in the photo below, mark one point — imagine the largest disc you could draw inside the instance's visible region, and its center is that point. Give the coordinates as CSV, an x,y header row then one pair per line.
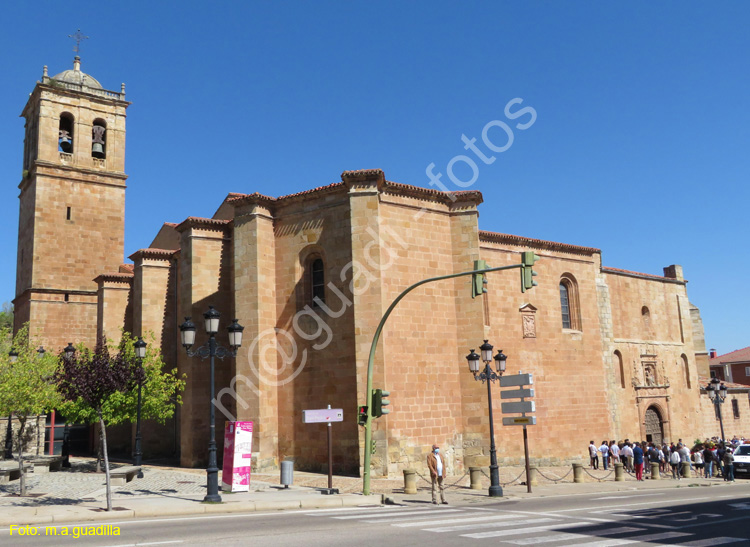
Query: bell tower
x,y
71,223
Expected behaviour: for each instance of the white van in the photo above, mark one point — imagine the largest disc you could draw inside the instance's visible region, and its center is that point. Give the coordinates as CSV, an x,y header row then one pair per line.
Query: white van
x,y
742,461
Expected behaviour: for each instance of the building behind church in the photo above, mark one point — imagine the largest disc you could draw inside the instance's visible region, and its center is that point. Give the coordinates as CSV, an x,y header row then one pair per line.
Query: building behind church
x,y
615,354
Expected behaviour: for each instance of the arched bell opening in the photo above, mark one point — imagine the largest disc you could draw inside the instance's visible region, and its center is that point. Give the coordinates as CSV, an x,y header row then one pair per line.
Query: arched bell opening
x,y
98,139
65,133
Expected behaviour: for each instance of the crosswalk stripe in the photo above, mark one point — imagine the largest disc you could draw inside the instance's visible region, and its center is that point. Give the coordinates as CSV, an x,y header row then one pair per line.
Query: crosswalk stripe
x,y
385,513
659,537
550,527
425,515
327,512
570,536
712,541
488,525
461,520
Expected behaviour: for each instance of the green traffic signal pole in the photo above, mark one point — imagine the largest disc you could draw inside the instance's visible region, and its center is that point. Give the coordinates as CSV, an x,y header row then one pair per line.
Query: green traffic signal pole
x,y
371,360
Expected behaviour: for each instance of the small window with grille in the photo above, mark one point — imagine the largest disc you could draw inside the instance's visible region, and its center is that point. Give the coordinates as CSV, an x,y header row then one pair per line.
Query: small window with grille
x,y
736,408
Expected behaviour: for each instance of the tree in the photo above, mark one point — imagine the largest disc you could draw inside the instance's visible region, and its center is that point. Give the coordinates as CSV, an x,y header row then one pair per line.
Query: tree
x,y
26,387
6,316
161,389
87,380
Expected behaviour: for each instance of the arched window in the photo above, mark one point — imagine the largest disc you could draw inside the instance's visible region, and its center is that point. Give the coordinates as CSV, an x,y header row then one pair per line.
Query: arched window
x,y
620,367
317,282
65,133
569,309
646,318
98,140
687,370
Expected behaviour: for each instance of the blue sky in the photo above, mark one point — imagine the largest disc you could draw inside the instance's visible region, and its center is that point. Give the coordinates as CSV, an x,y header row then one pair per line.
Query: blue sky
x,y
639,147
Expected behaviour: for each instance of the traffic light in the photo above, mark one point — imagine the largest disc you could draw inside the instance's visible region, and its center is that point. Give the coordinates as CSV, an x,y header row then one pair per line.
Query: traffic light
x,y
379,401
527,273
362,415
478,281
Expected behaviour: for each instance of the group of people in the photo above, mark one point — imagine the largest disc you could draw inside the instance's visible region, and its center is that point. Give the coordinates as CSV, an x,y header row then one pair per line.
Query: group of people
x,y
634,456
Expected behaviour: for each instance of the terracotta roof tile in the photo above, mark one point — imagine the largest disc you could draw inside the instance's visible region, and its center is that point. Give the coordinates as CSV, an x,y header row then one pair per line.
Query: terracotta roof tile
x,y
191,222
630,273
496,237
736,356
731,385
126,268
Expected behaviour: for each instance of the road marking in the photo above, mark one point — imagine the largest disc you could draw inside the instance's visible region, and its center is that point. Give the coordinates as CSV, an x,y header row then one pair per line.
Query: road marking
x,y
712,541
659,537
547,539
740,505
458,520
620,497
316,512
487,525
425,515
141,544
592,509
390,513
551,527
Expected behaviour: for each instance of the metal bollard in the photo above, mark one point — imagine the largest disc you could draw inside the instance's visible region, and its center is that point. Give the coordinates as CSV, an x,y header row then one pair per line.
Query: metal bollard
x,y
410,481
287,473
577,472
475,475
533,476
655,471
685,468
619,475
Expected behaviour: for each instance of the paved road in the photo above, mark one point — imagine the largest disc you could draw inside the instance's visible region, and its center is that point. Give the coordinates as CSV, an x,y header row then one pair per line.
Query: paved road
x,y
686,516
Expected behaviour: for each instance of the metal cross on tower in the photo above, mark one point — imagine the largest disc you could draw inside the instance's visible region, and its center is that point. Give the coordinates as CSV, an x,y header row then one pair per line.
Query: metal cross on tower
x,y
78,37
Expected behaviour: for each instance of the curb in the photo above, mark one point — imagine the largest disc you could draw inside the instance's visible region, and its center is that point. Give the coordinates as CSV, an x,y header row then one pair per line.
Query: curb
x,y
67,514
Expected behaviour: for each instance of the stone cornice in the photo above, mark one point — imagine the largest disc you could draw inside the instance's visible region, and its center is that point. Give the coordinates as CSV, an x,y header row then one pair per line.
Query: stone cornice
x,y
157,254
203,223
114,278
508,239
638,275
456,200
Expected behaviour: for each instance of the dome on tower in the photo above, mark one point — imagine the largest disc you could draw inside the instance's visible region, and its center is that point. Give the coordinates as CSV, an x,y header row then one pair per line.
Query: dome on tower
x,y
77,77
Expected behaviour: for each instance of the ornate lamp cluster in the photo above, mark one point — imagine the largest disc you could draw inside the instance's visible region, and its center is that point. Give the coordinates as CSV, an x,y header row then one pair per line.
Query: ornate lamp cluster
x,y
487,374
211,349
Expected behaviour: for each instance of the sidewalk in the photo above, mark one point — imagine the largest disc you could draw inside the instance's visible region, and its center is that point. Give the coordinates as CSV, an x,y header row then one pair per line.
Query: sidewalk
x,y
78,494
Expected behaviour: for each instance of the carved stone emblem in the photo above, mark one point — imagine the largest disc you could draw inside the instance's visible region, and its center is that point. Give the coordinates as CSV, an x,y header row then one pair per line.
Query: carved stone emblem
x,y
528,320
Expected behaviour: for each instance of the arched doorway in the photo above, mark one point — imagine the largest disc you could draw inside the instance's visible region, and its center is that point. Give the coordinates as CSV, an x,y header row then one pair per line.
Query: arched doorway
x,y
654,426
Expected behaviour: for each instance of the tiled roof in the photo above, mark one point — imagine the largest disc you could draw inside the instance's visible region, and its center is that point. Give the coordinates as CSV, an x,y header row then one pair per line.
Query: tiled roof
x,y
736,356
126,268
388,186
639,274
496,237
730,385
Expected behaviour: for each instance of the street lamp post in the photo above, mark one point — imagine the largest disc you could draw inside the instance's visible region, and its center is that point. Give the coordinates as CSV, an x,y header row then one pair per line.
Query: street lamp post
x,y
8,455
69,352
212,350
717,392
488,375
140,353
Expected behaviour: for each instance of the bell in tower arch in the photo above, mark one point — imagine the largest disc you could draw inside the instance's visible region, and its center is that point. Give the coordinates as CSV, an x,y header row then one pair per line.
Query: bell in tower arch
x,y
97,147
65,142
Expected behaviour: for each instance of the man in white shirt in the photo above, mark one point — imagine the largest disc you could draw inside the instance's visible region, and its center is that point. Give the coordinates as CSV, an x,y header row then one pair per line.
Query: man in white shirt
x,y
437,473
614,452
604,449
594,453
627,454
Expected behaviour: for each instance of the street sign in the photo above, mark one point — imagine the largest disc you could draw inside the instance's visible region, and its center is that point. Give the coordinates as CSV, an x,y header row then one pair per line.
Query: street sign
x,y
517,380
518,407
517,393
524,420
322,415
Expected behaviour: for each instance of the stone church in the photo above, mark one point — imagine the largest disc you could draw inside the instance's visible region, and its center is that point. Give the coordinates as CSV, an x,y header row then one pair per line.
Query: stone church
x,y
615,354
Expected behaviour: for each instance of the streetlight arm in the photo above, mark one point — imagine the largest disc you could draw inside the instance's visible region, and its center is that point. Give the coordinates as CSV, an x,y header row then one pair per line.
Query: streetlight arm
x,y
373,349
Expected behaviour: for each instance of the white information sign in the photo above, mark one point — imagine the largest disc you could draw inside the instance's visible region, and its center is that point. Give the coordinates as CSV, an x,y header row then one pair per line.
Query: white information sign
x,y
322,415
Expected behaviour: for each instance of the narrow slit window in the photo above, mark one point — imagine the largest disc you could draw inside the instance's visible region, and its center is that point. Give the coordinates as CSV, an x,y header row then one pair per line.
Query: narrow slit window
x,y
67,297
565,305
736,408
68,213
317,275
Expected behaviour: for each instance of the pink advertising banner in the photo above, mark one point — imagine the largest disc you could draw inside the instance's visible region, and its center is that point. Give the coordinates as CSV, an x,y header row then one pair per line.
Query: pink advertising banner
x,y
238,443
